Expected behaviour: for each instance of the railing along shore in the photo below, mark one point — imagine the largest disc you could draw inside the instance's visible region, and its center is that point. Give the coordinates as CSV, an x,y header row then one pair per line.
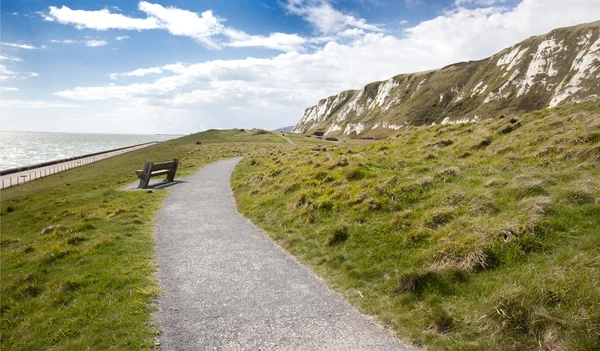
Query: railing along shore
x,y
45,169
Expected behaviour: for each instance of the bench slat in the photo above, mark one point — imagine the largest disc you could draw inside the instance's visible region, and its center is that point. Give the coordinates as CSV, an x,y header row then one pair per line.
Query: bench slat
x,y
163,165
157,173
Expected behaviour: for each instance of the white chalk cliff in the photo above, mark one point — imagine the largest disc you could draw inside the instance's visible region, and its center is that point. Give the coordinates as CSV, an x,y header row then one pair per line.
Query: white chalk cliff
x,y
560,67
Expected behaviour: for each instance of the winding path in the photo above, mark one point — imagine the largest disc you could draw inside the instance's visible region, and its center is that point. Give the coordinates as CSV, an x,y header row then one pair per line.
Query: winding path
x,y
286,138
229,287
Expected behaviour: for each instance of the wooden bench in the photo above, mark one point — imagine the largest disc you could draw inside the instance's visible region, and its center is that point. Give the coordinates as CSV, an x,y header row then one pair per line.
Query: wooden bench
x,y
157,169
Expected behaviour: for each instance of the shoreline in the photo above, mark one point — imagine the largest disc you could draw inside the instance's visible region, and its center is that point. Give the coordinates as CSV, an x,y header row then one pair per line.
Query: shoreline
x,y
62,160
17,176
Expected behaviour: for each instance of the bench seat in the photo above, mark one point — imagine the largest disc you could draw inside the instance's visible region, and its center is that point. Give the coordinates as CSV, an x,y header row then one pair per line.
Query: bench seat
x,y
140,172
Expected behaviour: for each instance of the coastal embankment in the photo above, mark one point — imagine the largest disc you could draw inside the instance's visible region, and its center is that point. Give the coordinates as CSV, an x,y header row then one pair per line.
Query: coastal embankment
x,y
16,176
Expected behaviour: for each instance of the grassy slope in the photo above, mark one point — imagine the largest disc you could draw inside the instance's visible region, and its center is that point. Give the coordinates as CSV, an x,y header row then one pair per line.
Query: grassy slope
x,y
89,283
465,237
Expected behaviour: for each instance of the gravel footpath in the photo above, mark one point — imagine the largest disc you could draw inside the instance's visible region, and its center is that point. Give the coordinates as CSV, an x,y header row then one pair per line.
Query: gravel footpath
x,y
229,287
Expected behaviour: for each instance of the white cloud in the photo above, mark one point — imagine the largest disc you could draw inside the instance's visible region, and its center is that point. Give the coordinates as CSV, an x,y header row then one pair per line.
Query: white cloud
x,y
478,2
275,41
138,72
67,41
95,43
5,70
325,18
99,20
465,34
22,46
122,37
176,21
34,104
8,89
185,23
205,26
352,32
10,58
7,73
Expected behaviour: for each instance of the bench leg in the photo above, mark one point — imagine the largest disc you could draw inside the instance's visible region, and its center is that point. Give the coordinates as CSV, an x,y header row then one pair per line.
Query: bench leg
x,y
144,183
145,177
171,175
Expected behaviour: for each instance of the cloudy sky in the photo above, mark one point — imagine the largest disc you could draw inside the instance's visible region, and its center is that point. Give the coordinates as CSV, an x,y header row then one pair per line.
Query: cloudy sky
x,y
182,66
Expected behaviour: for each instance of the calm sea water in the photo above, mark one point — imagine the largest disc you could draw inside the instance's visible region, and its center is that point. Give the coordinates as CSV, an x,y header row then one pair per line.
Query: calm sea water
x,y
19,149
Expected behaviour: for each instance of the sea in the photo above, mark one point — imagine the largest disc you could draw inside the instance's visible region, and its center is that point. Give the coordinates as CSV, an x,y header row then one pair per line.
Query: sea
x,y
19,149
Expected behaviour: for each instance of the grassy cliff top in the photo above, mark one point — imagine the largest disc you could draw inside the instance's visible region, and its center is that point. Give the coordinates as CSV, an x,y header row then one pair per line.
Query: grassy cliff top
x,y
479,236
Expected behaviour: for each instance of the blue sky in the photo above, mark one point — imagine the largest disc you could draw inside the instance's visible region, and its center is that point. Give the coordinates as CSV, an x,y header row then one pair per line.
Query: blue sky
x,y
185,66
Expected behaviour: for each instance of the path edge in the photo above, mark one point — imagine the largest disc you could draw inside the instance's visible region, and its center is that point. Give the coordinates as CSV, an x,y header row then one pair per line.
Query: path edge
x,y
322,281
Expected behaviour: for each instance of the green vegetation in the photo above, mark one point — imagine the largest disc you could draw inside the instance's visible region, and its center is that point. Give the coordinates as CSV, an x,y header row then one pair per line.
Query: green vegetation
x,y
466,237
459,237
77,252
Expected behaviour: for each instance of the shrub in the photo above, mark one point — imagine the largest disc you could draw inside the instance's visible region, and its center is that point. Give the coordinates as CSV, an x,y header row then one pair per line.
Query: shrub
x,y
483,143
447,173
441,321
321,175
354,173
343,163
513,124
439,220
416,282
513,314
75,239
339,235
331,138
53,229
444,143
291,188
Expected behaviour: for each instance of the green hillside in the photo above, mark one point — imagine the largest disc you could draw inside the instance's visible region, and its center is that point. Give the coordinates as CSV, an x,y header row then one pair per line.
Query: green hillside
x,y
477,236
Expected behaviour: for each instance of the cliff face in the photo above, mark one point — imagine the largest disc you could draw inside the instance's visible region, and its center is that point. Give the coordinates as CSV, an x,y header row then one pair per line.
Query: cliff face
x,y
560,67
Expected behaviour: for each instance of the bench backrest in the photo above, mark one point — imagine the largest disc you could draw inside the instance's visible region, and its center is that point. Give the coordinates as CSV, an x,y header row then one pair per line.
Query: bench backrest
x,y
164,165
150,167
